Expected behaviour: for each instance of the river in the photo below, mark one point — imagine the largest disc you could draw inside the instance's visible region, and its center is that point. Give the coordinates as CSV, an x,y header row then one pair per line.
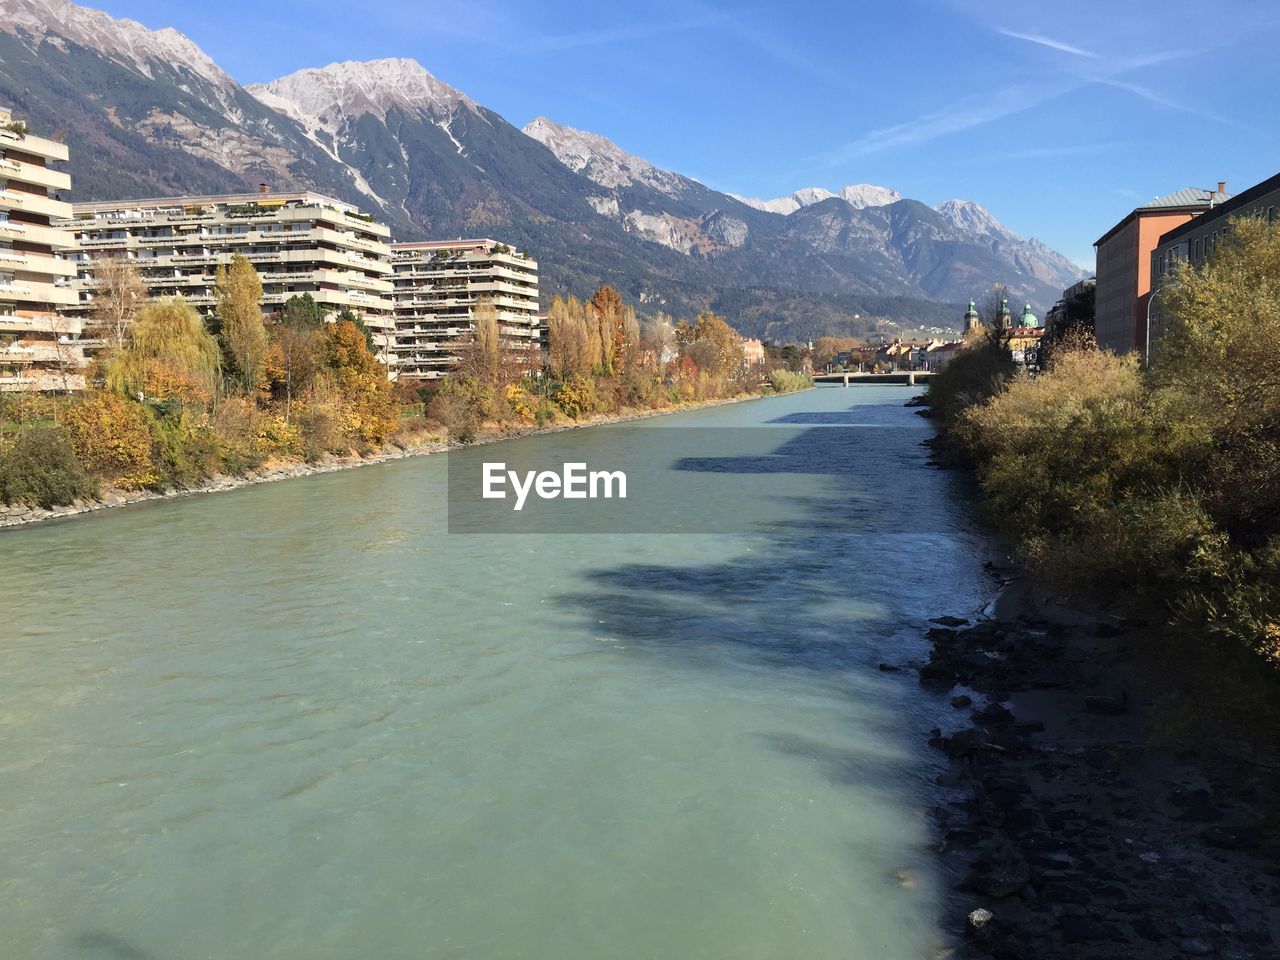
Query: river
x,y
302,720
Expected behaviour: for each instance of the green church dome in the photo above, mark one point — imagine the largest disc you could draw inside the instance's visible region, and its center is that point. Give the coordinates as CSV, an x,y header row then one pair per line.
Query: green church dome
x,y
1028,319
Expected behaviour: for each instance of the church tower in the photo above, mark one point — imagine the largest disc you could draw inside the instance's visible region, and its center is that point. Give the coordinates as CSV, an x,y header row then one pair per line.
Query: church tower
x,y
971,320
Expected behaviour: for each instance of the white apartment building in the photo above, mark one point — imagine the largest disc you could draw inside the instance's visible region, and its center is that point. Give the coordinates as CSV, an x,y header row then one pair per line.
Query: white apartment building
x,y
39,350
299,242
437,285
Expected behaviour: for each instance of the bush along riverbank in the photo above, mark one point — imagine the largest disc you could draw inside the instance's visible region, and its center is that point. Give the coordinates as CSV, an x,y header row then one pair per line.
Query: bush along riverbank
x,y
425,440
178,403
1116,774
1152,491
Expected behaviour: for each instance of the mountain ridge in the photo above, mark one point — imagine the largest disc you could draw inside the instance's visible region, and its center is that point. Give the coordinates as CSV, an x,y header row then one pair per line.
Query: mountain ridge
x,y
148,113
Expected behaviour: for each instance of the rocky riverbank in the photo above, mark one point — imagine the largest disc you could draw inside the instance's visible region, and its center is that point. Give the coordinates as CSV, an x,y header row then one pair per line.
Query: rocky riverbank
x,y
1069,825
18,514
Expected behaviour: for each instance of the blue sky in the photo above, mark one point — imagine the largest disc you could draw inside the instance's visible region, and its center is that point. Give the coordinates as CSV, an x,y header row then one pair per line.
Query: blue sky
x,y
1058,117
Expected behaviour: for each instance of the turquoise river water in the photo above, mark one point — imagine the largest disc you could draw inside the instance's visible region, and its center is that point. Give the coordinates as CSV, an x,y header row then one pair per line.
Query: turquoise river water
x,y
301,720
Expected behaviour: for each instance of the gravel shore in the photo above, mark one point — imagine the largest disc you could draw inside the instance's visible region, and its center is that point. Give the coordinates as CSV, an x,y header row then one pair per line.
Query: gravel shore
x,y
1070,826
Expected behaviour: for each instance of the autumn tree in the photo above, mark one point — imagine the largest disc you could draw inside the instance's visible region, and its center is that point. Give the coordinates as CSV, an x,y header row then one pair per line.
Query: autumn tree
x,y
712,344
118,293
657,339
294,357
169,354
240,322
368,413
825,349
482,355
574,335
111,437
347,315
1222,356
608,308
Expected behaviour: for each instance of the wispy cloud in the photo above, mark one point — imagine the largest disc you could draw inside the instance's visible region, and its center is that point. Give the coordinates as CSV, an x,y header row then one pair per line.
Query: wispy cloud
x,y
974,111
1049,42
1151,96
1084,68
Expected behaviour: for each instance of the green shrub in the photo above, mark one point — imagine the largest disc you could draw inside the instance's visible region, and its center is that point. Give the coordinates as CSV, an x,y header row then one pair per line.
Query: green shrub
x,y
978,372
40,469
788,381
188,450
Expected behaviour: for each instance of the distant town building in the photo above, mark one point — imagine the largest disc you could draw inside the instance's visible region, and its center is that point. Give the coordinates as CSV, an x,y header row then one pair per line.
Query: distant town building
x,y
299,242
1004,317
942,354
1195,241
437,286
39,349
1067,310
1124,264
752,351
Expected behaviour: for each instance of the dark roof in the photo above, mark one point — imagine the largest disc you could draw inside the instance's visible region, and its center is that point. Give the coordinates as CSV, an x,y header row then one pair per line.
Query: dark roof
x,y
1225,209
1188,199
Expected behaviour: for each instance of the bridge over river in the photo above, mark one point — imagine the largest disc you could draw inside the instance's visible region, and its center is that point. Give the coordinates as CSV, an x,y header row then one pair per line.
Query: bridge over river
x,y
899,376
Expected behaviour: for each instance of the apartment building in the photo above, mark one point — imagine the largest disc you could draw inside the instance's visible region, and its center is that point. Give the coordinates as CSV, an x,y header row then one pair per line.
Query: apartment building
x,y
1194,242
299,242
1124,264
437,286
39,350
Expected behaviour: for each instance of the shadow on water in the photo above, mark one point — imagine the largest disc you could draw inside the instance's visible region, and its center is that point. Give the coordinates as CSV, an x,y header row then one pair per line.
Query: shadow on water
x,y
107,946
885,535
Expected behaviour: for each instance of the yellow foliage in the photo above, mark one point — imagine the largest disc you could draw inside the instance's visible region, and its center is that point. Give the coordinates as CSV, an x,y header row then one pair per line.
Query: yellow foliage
x,y
111,437
523,404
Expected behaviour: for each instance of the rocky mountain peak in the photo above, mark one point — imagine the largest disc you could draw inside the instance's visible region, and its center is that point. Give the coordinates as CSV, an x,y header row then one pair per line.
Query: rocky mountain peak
x,y
858,195
600,159
323,97
973,218
125,41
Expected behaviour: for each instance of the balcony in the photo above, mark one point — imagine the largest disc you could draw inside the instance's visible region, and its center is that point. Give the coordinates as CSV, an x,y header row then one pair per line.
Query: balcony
x,y
36,233
35,263
68,352
36,292
40,381
29,143
12,169
34,203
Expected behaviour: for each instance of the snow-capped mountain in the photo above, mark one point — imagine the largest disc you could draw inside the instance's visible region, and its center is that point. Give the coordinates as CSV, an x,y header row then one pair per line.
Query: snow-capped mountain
x,y
601,160
125,41
973,218
322,98
147,113
858,195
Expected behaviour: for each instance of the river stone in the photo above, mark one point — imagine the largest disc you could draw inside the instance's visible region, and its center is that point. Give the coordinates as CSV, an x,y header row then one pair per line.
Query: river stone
x,y
992,713
979,922
1003,881
1232,837
937,674
950,621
